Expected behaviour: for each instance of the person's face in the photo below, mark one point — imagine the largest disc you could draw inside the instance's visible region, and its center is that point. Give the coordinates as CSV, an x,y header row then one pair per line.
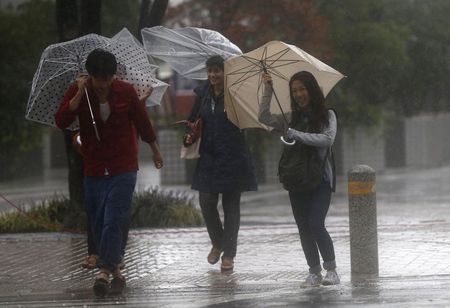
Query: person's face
x,y
300,94
101,85
215,76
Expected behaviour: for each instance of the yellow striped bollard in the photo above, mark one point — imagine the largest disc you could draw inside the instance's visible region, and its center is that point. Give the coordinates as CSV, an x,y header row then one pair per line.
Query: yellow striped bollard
x,y
363,221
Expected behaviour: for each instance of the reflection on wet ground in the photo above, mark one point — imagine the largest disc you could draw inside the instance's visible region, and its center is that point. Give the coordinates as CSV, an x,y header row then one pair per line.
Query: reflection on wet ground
x,y
168,268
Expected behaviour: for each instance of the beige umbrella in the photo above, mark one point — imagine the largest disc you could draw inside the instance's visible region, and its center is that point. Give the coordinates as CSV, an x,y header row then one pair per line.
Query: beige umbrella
x,y
244,86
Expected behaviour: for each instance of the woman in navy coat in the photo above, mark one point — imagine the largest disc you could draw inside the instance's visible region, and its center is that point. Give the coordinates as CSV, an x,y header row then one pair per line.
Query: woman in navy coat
x,y
225,166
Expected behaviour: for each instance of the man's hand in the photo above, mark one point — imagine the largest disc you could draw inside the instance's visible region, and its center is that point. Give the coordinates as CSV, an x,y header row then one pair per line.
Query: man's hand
x,y
82,80
158,160
146,94
157,156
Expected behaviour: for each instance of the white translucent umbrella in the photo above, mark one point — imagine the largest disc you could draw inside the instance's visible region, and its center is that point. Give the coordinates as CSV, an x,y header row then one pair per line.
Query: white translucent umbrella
x,y
125,36
187,49
244,85
61,63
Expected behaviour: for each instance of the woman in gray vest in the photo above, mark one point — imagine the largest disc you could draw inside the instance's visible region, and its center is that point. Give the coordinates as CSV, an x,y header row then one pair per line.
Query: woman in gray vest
x,y
311,126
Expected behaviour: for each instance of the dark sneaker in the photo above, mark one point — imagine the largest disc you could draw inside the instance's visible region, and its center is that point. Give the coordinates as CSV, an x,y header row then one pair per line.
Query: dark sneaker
x,y
122,264
331,278
313,280
101,285
214,255
227,264
118,284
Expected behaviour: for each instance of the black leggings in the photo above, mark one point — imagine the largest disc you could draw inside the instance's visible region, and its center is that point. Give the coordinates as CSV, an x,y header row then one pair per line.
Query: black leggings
x,y
223,237
310,209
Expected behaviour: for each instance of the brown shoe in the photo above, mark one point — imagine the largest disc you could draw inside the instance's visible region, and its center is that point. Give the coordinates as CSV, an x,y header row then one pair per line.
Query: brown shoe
x,y
90,262
227,264
214,255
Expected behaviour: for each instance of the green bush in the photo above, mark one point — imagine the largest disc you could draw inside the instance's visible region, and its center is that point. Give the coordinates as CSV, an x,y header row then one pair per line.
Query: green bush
x,y
156,208
151,208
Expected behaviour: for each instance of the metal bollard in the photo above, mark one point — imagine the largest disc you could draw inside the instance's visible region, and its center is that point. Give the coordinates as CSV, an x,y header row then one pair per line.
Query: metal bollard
x,y
363,221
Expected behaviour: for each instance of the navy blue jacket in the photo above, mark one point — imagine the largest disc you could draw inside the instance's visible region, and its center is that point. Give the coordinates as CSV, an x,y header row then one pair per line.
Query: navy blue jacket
x,y
225,162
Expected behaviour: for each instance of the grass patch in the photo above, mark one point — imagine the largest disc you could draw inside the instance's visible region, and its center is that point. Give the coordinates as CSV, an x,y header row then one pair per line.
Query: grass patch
x,y
151,208
44,216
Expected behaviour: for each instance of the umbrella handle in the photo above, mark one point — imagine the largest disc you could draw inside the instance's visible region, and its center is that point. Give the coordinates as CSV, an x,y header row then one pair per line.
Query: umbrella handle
x,y
92,115
287,142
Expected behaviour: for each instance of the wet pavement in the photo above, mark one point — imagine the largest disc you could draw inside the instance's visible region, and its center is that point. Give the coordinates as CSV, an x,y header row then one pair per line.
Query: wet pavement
x,y
168,268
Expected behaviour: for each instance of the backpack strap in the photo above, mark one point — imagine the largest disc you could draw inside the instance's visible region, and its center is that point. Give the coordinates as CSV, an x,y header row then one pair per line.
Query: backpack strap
x,y
333,162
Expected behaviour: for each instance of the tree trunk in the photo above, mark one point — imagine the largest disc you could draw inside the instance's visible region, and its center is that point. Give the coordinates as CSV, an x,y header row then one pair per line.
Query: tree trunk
x,y
69,27
90,21
152,15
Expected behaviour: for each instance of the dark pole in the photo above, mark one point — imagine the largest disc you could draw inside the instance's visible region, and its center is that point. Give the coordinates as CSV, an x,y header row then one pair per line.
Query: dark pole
x,y
274,93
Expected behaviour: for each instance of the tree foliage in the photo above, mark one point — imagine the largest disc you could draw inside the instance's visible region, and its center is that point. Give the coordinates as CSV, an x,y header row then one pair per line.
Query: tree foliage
x,y
26,30
424,83
252,23
371,52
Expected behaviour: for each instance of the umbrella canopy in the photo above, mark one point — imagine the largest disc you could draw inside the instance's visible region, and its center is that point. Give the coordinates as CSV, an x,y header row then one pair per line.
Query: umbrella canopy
x,y
126,37
61,63
244,85
187,49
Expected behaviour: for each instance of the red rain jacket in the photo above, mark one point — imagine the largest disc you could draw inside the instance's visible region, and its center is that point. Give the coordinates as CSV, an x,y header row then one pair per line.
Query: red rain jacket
x,y
117,150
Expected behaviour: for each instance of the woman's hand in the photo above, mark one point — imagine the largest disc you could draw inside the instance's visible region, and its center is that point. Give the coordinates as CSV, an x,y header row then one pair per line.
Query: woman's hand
x,y
187,140
294,134
267,79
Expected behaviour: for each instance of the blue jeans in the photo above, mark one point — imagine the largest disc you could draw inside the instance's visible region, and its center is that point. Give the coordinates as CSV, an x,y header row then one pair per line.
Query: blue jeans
x,y
310,209
108,201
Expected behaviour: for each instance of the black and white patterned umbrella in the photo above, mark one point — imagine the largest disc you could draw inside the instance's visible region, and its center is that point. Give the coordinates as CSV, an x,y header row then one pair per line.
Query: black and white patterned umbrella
x,y
61,63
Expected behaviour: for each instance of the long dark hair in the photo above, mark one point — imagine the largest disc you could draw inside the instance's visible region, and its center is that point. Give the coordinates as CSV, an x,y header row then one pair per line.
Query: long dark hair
x,y
319,113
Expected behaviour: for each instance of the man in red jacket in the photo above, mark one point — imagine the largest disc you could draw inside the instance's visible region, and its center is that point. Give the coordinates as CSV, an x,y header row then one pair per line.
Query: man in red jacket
x,y
110,151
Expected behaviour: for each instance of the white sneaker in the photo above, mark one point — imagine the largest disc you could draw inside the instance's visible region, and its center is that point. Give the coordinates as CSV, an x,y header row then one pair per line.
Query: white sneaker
x,y
331,278
313,280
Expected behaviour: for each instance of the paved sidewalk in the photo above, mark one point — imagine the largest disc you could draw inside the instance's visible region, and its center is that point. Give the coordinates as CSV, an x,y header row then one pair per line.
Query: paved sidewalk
x,y
168,268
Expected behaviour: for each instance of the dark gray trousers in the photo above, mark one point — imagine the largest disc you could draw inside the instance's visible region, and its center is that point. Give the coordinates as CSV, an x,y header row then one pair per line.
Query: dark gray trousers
x,y
222,236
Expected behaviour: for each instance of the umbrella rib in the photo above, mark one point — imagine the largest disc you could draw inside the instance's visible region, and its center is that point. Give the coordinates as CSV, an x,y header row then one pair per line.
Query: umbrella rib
x,y
54,75
193,41
245,77
253,67
234,108
69,51
273,90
